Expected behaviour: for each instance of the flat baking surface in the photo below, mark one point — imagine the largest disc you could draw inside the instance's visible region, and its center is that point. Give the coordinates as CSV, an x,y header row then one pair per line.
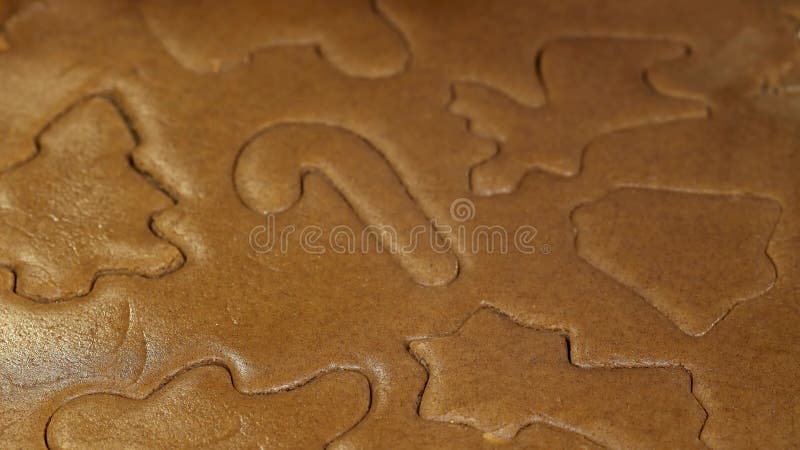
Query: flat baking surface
x,y
399,224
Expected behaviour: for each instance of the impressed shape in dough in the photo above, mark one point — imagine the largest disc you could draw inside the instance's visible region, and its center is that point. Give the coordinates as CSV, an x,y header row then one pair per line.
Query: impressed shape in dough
x,y
594,87
498,376
78,209
202,409
693,256
349,33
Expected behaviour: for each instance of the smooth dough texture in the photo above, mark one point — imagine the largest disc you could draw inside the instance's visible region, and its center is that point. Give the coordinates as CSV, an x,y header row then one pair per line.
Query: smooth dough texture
x,y
399,224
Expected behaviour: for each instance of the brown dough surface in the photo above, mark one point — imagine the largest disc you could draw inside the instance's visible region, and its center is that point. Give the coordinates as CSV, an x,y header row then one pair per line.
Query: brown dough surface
x,y
608,192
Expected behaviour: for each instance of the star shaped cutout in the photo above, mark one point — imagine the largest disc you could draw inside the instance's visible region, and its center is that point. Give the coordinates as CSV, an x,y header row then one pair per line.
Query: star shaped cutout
x,y
499,377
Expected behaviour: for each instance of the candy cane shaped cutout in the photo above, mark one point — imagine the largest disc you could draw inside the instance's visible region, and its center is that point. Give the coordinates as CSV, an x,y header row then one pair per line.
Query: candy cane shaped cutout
x,y
268,177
